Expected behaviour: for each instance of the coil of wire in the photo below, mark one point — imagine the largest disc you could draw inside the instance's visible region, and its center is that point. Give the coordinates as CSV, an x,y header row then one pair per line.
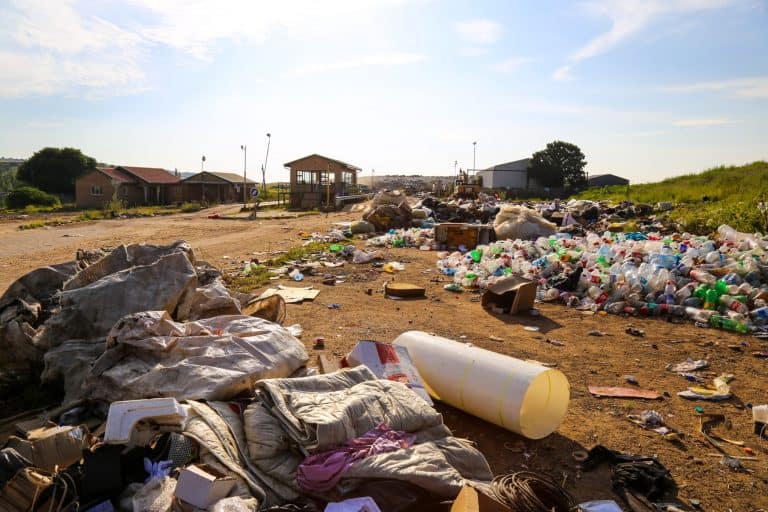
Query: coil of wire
x,y
526,491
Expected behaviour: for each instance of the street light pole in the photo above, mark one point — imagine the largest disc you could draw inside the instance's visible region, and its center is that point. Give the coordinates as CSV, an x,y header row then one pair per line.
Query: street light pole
x,y
202,179
474,152
264,169
373,171
245,162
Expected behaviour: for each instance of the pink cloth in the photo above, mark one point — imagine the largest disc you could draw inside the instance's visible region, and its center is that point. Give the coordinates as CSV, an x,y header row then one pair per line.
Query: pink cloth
x,y
320,472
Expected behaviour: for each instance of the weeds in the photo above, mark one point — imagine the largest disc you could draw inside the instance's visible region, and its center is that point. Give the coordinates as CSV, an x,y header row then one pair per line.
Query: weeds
x,y
723,195
32,225
260,276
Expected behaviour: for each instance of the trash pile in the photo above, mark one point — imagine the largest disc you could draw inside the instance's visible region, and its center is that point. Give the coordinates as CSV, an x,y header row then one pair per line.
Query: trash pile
x,y
721,282
423,239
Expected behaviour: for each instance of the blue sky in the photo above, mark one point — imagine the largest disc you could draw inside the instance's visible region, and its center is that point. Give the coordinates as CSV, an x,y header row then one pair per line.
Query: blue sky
x,y
647,88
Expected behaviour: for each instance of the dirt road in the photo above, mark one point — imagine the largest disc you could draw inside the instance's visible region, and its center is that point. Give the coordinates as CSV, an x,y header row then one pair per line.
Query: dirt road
x,y
584,359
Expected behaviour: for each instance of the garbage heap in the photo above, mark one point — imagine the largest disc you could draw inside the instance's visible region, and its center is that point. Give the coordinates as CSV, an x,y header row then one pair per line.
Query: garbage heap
x,y
721,281
176,400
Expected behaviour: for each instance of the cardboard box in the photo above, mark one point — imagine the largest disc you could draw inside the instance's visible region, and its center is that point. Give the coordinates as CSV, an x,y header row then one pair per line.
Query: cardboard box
x,y
451,235
469,500
202,486
387,361
49,447
511,295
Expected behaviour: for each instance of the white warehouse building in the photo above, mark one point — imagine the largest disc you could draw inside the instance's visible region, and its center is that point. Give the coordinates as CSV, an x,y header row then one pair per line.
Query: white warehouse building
x,y
511,175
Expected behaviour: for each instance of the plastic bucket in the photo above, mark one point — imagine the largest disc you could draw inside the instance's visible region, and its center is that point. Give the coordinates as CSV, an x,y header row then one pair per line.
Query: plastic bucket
x,y
526,398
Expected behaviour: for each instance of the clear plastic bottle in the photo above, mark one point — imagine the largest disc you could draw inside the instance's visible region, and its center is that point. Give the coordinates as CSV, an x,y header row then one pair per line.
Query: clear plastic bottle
x,y
732,304
703,276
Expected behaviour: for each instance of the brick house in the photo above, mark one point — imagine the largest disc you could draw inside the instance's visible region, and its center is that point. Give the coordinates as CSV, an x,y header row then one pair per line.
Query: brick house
x,y
215,187
316,180
134,186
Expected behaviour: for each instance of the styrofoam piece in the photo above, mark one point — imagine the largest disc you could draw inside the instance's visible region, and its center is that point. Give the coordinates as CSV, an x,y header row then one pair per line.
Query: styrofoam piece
x,y
525,398
124,415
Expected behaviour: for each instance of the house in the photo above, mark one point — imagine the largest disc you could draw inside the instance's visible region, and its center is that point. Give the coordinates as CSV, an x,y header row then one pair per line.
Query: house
x,y
317,180
215,187
131,185
605,180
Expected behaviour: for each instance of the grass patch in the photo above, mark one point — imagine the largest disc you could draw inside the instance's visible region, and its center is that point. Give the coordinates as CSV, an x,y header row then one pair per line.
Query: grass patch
x,y
191,207
703,201
260,277
32,225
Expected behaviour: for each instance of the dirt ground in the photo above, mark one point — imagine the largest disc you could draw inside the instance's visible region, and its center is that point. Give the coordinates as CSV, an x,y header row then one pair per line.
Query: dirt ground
x,y
584,359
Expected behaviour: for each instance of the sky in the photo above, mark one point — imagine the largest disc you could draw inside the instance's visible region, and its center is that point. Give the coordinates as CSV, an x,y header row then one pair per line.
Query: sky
x,y
646,88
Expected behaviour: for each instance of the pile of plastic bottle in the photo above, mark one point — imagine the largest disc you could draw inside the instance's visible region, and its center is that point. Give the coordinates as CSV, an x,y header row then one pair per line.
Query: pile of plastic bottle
x,y
722,282
420,238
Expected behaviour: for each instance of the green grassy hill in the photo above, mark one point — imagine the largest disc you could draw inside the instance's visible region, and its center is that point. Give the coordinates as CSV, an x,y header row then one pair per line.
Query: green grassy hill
x,y
703,201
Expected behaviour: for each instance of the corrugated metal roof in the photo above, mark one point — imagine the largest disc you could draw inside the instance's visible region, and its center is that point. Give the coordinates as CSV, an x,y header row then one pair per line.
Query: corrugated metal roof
x,y
231,177
345,164
516,165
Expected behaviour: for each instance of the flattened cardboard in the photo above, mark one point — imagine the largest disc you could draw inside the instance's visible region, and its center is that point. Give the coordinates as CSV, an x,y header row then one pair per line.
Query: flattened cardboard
x,y
387,361
469,500
202,486
511,294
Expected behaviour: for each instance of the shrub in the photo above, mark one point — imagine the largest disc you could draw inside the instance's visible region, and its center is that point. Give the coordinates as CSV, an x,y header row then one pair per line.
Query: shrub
x,y
191,207
26,196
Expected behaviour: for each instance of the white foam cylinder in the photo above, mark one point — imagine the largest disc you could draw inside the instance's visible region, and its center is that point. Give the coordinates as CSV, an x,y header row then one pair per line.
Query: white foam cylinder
x,y
526,398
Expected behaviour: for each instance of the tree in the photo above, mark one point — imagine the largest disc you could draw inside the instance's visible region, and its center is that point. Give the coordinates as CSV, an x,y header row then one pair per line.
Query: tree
x,y
561,164
55,170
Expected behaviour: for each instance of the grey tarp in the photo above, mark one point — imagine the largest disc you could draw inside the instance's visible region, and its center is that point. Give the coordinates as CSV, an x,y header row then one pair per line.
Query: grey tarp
x,y
149,355
314,413
92,310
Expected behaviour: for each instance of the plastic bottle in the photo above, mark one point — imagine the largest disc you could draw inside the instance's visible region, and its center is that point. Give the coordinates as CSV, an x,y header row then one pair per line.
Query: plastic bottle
x,y
728,324
669,292
703,276
616,308
711,299
684,292
732,304
698,315
760,315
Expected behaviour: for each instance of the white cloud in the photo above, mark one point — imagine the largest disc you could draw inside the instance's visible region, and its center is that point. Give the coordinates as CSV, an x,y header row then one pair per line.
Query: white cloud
x,y
473,51
563,73
628,18
62,47
702,122
511,64
197,26
755,87
45,124
50,48
479,31
391,59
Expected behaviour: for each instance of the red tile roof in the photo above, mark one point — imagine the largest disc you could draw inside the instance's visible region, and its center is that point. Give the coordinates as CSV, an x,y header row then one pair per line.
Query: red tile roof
x,y
153,175
117,175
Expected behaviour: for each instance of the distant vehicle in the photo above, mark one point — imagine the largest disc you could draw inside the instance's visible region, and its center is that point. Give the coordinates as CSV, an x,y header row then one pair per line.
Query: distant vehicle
x,y
466,186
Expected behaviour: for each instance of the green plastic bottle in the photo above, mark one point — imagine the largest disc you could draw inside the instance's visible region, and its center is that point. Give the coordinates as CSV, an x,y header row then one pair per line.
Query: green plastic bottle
x,y
721,287
711,299
477,255
728,324
701,292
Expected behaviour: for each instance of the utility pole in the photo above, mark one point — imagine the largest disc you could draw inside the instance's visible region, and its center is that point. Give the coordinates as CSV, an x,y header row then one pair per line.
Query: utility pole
x,y
245,162
474,152
264,169
202,179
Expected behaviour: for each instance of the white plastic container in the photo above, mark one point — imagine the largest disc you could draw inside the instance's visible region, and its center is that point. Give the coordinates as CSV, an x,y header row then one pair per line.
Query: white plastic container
x,y
526,398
